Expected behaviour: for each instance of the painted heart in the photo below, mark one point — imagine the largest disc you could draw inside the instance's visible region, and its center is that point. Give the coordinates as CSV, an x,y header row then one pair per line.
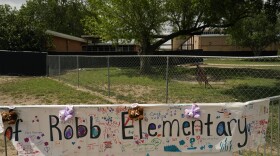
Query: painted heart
x,y
73,143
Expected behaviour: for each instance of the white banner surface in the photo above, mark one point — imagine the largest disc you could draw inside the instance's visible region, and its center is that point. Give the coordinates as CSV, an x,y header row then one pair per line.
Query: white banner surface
x,y
106,131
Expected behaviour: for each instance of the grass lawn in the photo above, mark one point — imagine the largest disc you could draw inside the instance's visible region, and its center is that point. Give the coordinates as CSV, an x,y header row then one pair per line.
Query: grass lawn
x,y
267,61
228,84
42,90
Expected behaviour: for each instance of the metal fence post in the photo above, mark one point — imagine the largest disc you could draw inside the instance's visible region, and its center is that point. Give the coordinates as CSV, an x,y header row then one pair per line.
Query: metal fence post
x,y
166,76
59,68
271,127
47,66
78,71
278,127
108,74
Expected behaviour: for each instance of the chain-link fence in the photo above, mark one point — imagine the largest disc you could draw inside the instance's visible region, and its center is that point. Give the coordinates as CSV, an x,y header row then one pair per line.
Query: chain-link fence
x,y
171,79
178,79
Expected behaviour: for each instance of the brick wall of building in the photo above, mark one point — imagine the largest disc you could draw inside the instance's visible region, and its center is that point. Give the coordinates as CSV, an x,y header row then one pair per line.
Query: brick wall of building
x,y
221,43
66,45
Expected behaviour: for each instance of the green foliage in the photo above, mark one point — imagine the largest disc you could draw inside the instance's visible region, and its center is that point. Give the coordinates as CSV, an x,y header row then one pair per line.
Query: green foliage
x,y
272,9
18,33
186,14
257,32
57,15
141,20
122,19
6,15
24,29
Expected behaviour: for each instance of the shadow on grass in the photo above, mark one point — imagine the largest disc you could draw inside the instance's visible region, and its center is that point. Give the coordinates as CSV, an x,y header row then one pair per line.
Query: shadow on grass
x,y
214,73
248,93
156,73
231,73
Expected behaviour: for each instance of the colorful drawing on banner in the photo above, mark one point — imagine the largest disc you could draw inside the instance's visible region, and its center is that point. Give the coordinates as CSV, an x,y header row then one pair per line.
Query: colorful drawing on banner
x,y
164,130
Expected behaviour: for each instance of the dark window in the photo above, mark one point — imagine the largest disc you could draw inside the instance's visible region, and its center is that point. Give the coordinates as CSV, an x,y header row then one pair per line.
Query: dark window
x,y
125,48
94,48
106,48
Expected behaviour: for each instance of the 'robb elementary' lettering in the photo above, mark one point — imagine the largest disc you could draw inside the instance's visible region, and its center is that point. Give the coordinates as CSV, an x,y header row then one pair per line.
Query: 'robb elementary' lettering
x,y
169,128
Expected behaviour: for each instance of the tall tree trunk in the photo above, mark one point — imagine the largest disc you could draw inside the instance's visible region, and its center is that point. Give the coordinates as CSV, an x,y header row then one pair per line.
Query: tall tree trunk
x,y
257,51
145,61
145,65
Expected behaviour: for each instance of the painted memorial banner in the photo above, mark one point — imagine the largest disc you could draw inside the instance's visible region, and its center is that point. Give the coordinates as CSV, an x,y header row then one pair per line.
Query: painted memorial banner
x,y
106,130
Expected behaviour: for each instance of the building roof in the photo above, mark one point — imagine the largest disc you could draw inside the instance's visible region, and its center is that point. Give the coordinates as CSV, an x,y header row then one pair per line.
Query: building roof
x,y
108,44
69,37
213,35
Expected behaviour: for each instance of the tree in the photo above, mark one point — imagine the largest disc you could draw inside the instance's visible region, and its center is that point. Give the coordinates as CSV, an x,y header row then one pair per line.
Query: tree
x,y
6,15
272,9
259,31
18,33
143,19
57,15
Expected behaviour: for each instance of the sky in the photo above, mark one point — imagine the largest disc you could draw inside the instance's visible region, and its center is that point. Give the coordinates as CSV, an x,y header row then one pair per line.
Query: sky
x,y
13,3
